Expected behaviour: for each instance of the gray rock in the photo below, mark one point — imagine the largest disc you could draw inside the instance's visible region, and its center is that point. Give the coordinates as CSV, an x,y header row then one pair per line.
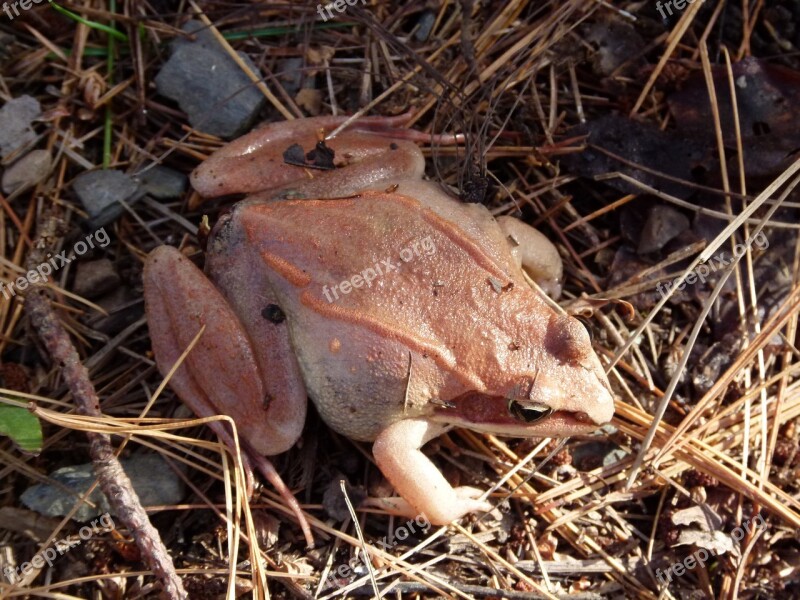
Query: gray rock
x,y
209,86
27,171
162,182
153,480
290,73
663,223
95,277
16,117
425,25
100,192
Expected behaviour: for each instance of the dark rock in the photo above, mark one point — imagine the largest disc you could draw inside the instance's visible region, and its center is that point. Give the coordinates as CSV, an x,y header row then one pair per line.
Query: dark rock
x,y
333,500
162,182
291,74
213,91
663,224
153,480
100,193
425,25
94,278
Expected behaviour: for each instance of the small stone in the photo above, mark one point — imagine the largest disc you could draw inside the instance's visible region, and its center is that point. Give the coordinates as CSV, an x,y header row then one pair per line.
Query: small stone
x,y
291,74
213,91
94,278
16,117
425,25
27,171
100,192
154,481
333,500
663,224
162,183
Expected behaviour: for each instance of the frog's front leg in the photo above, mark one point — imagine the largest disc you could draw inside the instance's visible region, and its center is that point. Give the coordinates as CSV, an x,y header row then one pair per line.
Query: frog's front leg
x,y
416,478
221,374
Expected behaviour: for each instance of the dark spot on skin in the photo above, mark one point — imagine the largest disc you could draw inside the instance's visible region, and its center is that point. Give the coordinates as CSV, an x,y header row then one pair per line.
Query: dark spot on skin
x,y
321,157
352,410
274,314
513,346
393,146
267,401
294,155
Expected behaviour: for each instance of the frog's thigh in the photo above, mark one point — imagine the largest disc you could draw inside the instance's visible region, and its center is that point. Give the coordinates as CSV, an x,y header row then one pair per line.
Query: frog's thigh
x,y
537,255
221,374
416,478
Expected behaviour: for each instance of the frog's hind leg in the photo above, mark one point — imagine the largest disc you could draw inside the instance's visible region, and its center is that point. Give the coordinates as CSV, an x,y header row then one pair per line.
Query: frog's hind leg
x,y
535,253
274,158
220,375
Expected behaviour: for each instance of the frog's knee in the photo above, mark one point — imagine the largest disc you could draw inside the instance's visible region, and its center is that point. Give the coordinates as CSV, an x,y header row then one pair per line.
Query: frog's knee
x,y
535,253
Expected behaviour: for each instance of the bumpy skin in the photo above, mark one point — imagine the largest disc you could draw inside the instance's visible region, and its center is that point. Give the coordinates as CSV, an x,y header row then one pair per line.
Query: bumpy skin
x,y
451,336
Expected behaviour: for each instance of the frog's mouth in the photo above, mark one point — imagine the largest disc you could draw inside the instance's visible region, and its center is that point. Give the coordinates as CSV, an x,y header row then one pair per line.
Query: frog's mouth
x,y
504,416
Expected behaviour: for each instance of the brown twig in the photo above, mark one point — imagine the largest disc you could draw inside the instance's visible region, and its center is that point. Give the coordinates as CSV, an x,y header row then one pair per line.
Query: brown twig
x,y
112,478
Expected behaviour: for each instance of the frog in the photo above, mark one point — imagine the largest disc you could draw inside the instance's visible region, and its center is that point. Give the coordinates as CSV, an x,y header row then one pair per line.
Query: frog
x,y
345,277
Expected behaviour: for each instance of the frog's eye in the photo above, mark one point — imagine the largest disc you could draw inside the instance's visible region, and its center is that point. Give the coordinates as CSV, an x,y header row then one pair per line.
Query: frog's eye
x,y
528,413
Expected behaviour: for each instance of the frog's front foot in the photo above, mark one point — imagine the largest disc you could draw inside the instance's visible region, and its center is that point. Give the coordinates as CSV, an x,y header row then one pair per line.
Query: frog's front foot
x,y
416,478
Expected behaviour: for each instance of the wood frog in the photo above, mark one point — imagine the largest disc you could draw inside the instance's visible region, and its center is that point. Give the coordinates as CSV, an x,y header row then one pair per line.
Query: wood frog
x,y
400,311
